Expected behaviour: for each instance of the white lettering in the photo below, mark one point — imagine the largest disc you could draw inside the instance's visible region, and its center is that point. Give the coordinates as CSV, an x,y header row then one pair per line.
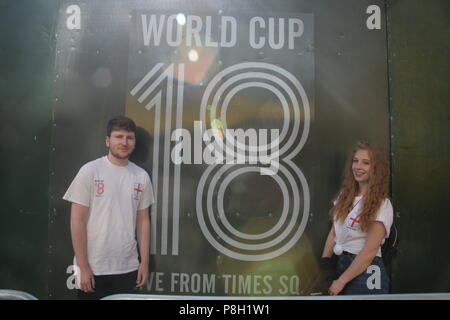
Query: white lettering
x,y
276,29
212,154
154,281
374,281
233,284
193,283
280,28
293,287
198,142
212,31
253,43
249,284
193,27
232,23
151,28
174,281
208,37
73,22
219,150
196,310
374,20
181,152
241,137
293,33
171,21
73,281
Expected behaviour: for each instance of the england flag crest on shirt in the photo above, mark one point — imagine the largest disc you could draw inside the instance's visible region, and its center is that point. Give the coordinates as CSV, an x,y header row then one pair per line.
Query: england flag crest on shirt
x,y
354,223
137,190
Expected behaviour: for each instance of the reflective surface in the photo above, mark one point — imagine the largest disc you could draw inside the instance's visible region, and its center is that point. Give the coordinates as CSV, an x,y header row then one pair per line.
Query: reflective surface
x,y
245,116
223,229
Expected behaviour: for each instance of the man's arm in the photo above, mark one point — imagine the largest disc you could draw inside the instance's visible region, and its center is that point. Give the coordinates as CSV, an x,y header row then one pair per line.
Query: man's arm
x,y
78,222
143,238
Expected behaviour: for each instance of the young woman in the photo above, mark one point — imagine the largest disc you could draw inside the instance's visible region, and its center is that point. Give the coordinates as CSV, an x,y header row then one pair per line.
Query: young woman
x,y
362,217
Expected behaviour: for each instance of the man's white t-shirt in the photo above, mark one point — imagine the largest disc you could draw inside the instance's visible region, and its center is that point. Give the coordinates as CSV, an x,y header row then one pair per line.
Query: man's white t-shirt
x,y
348,232
113,194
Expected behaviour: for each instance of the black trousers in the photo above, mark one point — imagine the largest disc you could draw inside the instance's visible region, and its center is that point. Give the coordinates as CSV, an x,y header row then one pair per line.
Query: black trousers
x,y
110,284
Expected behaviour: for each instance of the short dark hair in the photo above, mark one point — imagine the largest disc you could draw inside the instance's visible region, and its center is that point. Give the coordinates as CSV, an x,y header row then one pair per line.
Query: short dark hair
x,y
118,123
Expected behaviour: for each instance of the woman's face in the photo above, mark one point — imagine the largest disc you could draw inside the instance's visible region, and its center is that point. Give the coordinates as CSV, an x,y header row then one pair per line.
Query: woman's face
x,y
361,166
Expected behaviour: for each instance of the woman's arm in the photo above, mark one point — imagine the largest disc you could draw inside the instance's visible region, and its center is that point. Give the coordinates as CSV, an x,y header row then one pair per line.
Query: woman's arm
x,y
375,235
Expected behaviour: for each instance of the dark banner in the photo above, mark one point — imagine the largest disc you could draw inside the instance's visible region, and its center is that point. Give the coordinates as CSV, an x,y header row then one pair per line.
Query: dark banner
x,y
245,111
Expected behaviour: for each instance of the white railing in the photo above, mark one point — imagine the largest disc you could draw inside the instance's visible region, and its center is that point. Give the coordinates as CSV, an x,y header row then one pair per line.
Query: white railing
x,y
414,296
15,295
20,295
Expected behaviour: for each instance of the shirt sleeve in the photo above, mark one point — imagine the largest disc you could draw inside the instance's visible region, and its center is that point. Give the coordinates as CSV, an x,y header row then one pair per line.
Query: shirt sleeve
x,y
386,215
147,198
80,189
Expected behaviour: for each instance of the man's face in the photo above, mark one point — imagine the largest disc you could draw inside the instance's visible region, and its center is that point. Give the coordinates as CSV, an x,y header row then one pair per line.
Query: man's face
x,y
121,143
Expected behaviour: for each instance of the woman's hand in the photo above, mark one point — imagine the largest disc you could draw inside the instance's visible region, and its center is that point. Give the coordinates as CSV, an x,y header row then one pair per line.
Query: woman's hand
x,y
336,287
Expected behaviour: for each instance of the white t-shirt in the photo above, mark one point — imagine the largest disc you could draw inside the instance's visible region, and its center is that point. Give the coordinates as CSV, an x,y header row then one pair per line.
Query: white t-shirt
x,y
113,195
348,232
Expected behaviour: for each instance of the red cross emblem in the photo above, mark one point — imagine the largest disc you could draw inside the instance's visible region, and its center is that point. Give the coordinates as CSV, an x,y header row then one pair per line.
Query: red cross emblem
x,y
354,220
137,189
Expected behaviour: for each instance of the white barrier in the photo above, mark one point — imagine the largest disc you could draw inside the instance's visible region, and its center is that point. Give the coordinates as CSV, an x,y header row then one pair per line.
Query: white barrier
x,y
15,295
415,296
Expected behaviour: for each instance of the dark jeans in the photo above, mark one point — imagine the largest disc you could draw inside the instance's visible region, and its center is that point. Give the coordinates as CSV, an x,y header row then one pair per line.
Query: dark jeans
x,y
374,280
110,284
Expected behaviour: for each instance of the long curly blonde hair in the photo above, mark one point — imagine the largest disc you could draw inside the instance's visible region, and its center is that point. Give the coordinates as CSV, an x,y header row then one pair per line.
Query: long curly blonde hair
x,y
377,191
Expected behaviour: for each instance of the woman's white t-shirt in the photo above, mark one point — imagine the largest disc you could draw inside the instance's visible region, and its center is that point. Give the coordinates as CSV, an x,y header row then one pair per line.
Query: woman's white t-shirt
x,y
349,235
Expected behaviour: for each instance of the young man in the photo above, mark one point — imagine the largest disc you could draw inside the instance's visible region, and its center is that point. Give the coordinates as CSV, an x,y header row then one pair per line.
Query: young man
x,y
110,199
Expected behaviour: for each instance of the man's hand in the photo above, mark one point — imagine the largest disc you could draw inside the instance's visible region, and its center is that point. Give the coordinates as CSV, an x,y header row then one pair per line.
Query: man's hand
x,y
143,239
87,282
142,275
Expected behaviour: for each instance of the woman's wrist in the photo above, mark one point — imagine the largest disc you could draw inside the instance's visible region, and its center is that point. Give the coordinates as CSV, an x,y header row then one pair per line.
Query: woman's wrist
x,y
342,280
